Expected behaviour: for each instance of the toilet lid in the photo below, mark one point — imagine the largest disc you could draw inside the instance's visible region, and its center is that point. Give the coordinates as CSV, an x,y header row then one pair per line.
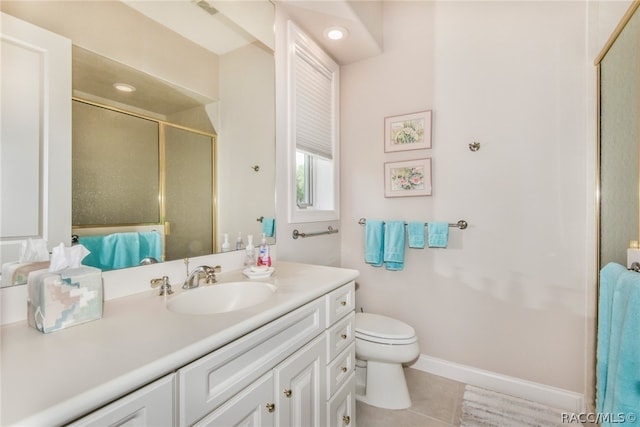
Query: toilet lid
x,y
381,328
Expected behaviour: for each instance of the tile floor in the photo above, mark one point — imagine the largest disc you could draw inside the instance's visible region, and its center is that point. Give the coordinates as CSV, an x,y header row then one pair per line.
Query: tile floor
x,y
436,402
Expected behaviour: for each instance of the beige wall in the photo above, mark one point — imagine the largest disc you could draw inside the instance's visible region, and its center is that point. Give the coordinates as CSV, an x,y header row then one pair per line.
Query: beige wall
x,y
245,139
509,294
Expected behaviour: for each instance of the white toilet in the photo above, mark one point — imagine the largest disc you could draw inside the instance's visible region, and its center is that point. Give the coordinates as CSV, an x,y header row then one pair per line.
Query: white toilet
x,y
383,344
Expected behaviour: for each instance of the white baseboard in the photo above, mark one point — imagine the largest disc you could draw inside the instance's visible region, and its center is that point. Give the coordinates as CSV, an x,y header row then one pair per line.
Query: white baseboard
x,y
552,396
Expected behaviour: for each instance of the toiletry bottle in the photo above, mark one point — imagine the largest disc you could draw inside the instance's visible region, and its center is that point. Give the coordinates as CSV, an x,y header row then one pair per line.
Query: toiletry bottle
x,y
239,242
250,257
263,254
226,246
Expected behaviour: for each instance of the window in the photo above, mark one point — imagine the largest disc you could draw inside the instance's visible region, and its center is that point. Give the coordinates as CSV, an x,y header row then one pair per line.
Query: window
x,y
313,130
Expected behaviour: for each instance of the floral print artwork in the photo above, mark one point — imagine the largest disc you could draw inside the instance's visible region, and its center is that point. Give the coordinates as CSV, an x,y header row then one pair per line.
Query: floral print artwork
x,y
407,178
407,132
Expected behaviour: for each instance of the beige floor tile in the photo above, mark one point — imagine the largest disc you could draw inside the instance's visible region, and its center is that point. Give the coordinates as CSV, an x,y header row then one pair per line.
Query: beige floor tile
x,y
435,396
370,416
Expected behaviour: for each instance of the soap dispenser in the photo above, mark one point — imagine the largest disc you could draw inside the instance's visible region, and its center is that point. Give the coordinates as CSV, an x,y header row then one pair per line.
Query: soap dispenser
x,y
239,242
226,246
263,253
250,257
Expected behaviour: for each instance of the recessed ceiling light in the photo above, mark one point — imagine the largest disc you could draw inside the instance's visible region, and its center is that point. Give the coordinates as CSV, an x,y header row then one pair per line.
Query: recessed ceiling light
x,y
123,87
336,33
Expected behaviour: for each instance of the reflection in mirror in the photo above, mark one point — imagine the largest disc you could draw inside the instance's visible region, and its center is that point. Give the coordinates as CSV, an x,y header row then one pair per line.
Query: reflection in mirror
x,y
120,179
619,72
230,85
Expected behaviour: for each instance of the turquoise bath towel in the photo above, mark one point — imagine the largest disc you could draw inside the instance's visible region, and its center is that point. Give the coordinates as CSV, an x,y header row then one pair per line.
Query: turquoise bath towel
x,y
150,245
120,250
618,352
438,234
374,242
94,245
415,231
394,236
268,226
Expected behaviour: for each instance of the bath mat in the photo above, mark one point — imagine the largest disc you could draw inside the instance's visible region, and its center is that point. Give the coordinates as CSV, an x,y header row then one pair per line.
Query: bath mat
x,y
481,407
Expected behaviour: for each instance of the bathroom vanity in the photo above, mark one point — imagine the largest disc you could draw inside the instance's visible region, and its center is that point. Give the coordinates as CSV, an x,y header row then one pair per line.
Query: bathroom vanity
x,y
286,361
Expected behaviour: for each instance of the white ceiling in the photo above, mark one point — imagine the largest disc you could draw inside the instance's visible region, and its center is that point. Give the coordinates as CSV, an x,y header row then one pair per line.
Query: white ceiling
x,y
94,74
362,18
219,34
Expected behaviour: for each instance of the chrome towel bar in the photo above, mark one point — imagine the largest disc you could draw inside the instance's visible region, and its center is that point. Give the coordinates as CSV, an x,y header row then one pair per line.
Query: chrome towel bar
x,y
330,230
462,224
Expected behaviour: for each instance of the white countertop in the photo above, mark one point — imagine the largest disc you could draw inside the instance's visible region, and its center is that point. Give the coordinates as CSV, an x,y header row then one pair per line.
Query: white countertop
x,y
49,379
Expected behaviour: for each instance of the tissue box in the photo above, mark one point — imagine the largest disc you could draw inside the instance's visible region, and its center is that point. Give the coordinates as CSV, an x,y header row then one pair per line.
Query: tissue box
x,y
64,298
16,273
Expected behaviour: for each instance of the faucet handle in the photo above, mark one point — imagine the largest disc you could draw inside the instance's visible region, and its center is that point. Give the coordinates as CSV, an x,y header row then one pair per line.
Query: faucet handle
x,y
165,286
211,274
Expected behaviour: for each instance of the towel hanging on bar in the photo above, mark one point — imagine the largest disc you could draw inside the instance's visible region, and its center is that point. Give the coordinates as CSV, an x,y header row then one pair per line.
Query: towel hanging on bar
x,y
462,224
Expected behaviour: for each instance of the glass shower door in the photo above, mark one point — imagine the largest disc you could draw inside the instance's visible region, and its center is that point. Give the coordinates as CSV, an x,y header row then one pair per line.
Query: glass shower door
x,y
189,193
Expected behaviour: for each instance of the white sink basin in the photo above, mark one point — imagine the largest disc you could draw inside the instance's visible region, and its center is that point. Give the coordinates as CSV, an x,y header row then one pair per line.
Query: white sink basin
x,y
221,297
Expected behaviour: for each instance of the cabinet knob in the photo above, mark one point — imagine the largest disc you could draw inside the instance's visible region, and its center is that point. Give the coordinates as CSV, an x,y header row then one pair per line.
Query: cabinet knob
x,y
271,407
346,419
287,392
344,369
343,336
343,303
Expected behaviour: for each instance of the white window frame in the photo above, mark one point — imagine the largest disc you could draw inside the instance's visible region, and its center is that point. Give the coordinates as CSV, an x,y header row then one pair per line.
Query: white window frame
x,y
298,40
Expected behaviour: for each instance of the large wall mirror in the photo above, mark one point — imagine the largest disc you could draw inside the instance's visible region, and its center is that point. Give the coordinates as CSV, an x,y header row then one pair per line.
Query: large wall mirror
x,y
203,73
619,133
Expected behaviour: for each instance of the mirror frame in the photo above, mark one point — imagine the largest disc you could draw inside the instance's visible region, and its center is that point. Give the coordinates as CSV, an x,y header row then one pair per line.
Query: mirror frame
x,y
598,63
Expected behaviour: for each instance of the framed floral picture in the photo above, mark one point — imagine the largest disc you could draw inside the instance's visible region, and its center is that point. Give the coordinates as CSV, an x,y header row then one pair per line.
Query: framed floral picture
x,y
407,132
407,178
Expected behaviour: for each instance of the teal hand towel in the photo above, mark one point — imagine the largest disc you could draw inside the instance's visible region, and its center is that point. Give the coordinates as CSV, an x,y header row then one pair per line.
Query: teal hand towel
x,y
618,391
415,231
394,237
373,242
94,245
120,250
268,226
150,245
438,234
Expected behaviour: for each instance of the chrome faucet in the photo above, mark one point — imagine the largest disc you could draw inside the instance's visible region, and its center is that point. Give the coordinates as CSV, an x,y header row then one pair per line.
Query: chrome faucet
x,y
209,273
165,287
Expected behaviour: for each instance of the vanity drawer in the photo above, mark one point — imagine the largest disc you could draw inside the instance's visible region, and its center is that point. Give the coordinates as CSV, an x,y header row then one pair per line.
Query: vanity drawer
x,y
341,409
340,369
340,302
152,405
340,336
211,380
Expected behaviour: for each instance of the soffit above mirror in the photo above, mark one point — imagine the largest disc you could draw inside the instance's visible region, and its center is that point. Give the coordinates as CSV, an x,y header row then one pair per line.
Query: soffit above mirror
x,y
362,20
94,76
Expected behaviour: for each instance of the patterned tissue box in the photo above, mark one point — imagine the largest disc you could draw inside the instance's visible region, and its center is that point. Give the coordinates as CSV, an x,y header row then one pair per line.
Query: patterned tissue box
x,y
64,298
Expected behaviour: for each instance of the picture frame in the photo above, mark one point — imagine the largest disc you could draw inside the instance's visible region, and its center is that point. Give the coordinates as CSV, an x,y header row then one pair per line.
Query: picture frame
x,y
408,178
407,132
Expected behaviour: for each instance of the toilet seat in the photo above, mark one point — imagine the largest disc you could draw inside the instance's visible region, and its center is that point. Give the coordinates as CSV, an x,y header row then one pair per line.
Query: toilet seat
x,y
383,330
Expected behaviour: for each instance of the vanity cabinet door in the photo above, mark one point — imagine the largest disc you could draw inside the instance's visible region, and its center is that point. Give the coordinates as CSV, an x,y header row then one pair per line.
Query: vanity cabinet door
x,y
210,381
300,387
342,406
152,406
252,407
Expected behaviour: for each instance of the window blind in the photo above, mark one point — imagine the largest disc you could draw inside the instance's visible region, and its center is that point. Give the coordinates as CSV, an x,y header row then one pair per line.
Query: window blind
x,y
313,106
